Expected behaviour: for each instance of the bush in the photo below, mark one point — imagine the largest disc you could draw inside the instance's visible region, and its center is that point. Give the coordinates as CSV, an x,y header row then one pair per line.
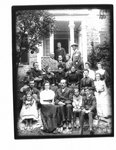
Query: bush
x,y
102,53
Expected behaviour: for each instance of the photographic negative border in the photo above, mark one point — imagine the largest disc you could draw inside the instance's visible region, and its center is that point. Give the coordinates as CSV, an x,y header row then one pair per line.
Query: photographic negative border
x,y
49,7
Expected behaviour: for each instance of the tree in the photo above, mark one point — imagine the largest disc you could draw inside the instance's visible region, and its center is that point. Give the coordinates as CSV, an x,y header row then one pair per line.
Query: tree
x,y
31,27
102,53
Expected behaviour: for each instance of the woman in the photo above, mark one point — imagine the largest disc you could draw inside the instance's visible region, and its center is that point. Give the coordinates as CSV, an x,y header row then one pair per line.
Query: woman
x,y
48,109
102,72
102,97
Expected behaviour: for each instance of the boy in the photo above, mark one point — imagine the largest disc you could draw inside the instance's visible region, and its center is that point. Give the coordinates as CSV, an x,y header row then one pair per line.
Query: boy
x,y
77,103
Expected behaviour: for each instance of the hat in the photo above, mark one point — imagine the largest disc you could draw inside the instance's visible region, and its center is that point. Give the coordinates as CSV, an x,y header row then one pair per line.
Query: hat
x,y
74,44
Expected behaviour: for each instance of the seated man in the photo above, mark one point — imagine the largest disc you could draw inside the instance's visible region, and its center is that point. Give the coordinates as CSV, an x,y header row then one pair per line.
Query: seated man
x,y
61,63
63,100
86,82
37,75
77,104
53,63
30,88
59,75
88,108
68,62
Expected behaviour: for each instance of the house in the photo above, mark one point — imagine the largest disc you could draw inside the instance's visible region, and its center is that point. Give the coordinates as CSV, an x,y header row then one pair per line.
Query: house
x,y
82,26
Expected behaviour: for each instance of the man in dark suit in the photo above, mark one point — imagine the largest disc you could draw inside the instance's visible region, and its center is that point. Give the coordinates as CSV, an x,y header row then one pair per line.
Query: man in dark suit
x,y
89,109
63,100
86,82
36,73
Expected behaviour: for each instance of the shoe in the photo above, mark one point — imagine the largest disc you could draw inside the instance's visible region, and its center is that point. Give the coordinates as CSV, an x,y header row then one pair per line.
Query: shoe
x,y
64,126
69,126
91,132
74,125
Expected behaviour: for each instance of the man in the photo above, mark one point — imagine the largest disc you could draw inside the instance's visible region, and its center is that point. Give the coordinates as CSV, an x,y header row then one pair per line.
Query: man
x,y
53,63
86,82
37,75
30,88
63,100
68,62
60,51
88,108
91,72
59,75
76,53
77,61
61,63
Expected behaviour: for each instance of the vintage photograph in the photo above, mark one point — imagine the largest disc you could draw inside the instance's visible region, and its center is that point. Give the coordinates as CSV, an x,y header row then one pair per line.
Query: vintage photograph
x,y
62,58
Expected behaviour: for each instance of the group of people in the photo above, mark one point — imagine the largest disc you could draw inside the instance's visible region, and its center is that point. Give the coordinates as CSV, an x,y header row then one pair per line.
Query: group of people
x,y
74,90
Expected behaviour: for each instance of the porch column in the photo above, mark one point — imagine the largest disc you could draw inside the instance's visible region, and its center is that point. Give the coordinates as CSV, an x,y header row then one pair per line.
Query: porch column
x,y
51,43
40,54
71,27
84,40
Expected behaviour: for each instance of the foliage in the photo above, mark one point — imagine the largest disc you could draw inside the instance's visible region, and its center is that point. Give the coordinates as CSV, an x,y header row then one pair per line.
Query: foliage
x,y
102,53
31,27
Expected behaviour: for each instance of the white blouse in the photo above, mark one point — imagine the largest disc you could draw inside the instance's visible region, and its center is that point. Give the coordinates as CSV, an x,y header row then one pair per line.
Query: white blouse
x,y
46,96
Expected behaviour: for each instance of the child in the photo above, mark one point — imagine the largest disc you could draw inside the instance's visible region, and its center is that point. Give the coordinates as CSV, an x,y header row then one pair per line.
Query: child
x,y
29,111
77,103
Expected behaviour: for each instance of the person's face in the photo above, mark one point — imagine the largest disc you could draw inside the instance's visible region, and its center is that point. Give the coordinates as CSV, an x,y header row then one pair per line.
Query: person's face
x,y
97,76
86,73
76,92
49,70
86,66
60,58
60,70
59,45
99,66
74,47
47,86
73,69
28,97
31,83
52,56
63,84
36,66
67,57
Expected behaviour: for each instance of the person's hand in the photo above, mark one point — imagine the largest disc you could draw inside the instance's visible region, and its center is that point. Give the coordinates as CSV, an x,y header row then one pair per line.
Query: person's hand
x,y
83,110
87,111
61,103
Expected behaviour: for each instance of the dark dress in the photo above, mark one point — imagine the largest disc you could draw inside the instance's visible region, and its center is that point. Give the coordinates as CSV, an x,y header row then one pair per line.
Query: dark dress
x,y
48,114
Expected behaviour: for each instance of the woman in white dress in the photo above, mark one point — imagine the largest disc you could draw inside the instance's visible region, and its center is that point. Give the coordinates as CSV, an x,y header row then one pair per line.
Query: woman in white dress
x,y
102,72
29,111
102,97
48,109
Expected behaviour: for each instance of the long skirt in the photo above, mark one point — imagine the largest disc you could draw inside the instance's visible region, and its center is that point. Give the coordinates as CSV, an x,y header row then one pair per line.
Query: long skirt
x,y
103,104
48,114
29,112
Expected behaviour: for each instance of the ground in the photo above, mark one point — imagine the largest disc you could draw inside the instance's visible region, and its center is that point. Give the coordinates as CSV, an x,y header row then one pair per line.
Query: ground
x,y
101,127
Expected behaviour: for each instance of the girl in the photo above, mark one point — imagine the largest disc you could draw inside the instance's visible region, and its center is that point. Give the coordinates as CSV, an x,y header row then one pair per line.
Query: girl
x,y
29,111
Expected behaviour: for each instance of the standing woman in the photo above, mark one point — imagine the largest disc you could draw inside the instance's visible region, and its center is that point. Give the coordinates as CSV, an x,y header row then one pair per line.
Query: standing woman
x,y
103,73
48,109
102,97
